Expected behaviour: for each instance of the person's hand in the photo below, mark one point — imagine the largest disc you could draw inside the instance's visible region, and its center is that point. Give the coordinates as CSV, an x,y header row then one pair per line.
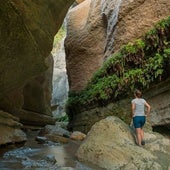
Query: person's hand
x,y
147,114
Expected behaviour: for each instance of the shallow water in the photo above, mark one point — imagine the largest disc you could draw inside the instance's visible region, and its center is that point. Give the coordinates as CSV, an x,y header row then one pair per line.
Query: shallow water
x,y
41,156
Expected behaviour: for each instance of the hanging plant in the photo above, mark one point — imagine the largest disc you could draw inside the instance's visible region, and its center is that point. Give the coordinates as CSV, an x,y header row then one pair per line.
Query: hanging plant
x,y
139,63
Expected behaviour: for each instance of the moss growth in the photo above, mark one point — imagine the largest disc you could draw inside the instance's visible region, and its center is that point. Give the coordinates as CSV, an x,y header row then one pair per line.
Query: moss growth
x,y
136,65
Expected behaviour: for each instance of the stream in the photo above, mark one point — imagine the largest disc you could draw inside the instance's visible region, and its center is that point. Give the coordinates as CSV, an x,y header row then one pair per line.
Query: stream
x,y
48,156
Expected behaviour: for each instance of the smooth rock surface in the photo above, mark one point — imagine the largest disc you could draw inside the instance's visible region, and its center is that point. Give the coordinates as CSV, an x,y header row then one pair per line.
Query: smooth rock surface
x,y
27,29
110,145
96,29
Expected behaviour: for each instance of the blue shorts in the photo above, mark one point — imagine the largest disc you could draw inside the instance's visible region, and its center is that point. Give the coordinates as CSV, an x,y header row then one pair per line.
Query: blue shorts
x,y
139,121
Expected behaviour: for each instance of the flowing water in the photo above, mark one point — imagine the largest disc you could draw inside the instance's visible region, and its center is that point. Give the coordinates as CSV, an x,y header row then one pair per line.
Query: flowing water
x,y
49,156
110,12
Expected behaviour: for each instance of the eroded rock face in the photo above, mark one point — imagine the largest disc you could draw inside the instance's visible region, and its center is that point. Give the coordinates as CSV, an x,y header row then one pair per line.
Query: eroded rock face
x,y
136,17
27,36
98,28
27,29
85,43
115,147
159,97
10,131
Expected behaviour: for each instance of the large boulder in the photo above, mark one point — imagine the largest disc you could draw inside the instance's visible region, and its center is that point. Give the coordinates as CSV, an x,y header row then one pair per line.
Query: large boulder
x,y
96,29
111,145
55,133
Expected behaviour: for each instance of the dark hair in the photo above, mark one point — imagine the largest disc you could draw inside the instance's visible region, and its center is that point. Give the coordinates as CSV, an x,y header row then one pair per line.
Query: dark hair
x,y
138,93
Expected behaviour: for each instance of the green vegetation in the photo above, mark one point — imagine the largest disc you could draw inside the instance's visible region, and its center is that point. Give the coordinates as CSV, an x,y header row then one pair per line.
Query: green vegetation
x,y
63,119
136,65
59,36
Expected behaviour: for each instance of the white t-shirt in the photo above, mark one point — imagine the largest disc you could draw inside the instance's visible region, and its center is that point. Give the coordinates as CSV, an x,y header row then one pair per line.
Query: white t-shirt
x,y
139,106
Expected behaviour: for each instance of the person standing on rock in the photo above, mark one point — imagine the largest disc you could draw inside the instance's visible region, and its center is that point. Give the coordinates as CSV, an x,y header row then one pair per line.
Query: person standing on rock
x,y
139,115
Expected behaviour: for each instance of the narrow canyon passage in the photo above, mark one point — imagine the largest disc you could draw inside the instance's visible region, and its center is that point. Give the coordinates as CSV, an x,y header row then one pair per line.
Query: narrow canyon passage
x,y
65,100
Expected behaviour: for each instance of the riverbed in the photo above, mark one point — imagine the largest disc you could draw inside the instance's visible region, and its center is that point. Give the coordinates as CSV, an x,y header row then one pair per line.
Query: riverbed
x,y
32,155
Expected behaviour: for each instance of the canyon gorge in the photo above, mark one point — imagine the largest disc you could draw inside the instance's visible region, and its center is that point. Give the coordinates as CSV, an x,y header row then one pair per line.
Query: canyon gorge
x,y
96,30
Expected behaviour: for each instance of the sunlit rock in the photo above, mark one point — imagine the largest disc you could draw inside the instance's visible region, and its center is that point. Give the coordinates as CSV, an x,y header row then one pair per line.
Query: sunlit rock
x,y
77,135
110,145
85,43
96,29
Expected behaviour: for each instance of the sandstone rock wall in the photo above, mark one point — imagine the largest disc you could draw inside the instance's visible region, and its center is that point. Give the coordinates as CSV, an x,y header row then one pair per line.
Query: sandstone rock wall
x,y
94,34
159,97
79,1
27,29
85,43
136,17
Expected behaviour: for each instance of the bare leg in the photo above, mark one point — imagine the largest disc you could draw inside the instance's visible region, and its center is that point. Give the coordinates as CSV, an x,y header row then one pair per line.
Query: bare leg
x,y
142,137
142,134
138,134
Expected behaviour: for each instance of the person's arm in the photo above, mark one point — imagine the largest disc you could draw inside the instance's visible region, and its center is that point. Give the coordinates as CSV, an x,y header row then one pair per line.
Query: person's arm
x,y
133,109
148,108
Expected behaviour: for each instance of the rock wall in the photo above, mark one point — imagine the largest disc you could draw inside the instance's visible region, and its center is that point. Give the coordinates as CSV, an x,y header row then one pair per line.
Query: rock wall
x,y
84,44
159,97
98,28
27,29
136,17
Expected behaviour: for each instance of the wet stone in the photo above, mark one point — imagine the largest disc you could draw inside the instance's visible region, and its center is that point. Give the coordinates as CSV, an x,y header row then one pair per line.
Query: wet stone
x,y
41,139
